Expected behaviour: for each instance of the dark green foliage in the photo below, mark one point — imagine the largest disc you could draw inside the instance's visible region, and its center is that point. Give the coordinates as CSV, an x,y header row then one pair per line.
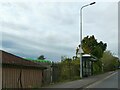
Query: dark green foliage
x,y
109,61
69,68
97,67
41,57
91,46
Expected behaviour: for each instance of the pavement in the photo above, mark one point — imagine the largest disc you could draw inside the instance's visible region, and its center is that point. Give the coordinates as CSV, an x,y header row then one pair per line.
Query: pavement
x,y
82,83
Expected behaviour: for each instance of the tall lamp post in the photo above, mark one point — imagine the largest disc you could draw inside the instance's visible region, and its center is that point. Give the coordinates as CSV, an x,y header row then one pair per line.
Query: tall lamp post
x,y
81,36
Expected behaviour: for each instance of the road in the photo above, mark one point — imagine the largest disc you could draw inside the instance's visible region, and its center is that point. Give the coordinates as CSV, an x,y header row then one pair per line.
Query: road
x,y
110,81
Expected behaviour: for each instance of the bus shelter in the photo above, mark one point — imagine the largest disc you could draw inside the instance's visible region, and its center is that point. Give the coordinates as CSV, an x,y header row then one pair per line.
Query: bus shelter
x,y
87,64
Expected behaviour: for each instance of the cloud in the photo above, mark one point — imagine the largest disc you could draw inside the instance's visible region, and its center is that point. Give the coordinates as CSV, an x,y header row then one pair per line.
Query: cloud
x,y
14,26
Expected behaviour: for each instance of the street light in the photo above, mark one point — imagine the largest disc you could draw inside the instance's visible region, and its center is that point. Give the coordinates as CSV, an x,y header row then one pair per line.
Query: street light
x,y
81,36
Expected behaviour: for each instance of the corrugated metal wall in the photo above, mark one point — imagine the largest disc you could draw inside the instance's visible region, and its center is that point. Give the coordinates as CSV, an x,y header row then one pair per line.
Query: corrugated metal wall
x,y
10,77
0,77
30,78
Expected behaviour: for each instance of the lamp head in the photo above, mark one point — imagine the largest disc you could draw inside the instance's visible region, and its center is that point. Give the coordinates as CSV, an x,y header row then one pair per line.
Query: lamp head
x,y
92,3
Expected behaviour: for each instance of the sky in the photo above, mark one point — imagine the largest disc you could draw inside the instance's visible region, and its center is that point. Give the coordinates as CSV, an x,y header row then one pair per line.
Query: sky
x,y
118,30
52,28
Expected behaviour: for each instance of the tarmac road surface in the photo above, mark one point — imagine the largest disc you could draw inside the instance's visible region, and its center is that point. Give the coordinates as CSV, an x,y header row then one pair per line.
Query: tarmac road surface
x,y
110,81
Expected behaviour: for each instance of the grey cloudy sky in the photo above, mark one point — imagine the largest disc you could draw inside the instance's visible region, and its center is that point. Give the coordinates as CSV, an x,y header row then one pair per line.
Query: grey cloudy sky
x,y
52,28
